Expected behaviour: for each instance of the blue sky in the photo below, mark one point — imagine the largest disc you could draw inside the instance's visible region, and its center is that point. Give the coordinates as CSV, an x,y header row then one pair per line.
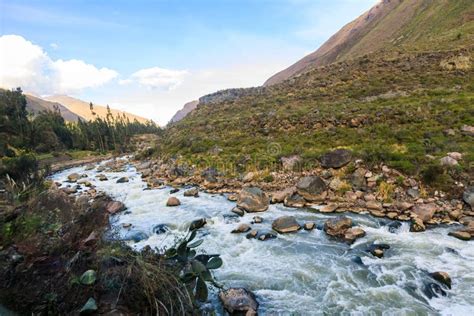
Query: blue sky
x,y
150,57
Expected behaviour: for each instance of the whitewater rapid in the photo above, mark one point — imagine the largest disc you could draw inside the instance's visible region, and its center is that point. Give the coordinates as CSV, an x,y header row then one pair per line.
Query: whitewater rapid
x,y
305,273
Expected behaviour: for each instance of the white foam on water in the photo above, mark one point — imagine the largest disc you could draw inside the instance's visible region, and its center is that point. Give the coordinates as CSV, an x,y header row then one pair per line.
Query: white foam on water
x,y
305,273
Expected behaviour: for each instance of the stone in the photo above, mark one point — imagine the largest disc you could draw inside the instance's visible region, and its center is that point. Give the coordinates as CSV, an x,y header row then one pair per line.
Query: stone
x,y
89,167
336,184
309,226
197,224
373,205
113,207
459,234
413,193
337,227
242,228
358,180
378,253
73,177
249,177
285,224
239,301
210,174
266,236
353,233
101,177
173,201
237,210
425,211
455,155
467,130
146,173
232,197
122,180
378,250
330,208
257,220
448,162
295,200
192,192
311,188
291,163
252,234
280,196
417,225
403,206
336,158
468,196
252,199
442,277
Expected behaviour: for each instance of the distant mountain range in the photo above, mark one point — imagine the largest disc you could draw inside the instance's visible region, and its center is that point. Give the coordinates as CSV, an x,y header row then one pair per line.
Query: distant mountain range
x,y
82,108
35,105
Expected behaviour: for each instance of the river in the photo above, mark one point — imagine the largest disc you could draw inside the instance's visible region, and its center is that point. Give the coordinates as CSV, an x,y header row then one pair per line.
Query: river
x,y
304,273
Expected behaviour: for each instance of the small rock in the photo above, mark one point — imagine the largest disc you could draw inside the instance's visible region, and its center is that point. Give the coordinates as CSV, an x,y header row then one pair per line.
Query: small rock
x,y
467,130
232,197
468,196
330,208
266,236
336,159
173,201
291,163
337,227
239,301
459,234
122,180
257,219
249,177
309,226
237,210
192,192
442,277
113,207
285,224
242,228
455,155
295,200
280,196
252,234
198,223
358,180
353,233
101,177
378,253
73,177
417,225
448,162
413,193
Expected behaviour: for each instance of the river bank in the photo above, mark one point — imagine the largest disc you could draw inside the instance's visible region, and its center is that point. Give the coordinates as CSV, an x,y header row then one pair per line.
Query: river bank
x,y
287,272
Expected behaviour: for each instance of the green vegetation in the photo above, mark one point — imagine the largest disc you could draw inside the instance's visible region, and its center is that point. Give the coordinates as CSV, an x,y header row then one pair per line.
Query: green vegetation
x,y
405,110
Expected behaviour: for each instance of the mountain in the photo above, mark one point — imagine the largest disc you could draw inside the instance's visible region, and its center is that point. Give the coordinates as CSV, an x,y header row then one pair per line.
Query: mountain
x,y
35,105
406,107
82,108
402,25
187,108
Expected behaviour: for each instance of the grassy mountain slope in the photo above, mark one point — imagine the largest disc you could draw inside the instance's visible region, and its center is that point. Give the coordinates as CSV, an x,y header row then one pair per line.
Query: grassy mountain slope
x,y
35,105
187,108
401,25
397,108
82,108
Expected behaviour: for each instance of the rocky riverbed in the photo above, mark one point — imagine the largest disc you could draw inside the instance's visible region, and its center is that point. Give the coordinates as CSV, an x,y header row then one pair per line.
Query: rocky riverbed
x,y
298,260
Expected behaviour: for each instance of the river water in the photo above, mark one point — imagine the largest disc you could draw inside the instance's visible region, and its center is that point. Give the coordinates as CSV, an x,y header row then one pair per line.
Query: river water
x,y
304,273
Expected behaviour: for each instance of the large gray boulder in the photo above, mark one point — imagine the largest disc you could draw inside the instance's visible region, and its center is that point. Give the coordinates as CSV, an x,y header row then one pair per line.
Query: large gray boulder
x,y
252,199
336,159
425,212
239,301
311,188
337,227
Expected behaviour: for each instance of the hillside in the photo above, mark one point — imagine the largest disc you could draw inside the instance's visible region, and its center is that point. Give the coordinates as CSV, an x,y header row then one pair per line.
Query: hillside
x,y
82,108
35,105
401,25
187,108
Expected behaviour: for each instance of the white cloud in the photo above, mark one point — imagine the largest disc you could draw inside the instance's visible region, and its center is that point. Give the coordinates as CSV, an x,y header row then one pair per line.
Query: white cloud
x,y
159,78
26,65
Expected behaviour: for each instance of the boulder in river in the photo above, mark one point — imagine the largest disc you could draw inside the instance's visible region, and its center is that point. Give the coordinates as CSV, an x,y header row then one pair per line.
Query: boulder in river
x,y
237,210
336,158
460,234
417,225
442,277
309,226
101,177
73,177
173,201
242,228
122,180
198,223
337,227
311,188
353,233
280,196
252,234
113,207
266,236
239,301
252,199
192,192
286,224
257,220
